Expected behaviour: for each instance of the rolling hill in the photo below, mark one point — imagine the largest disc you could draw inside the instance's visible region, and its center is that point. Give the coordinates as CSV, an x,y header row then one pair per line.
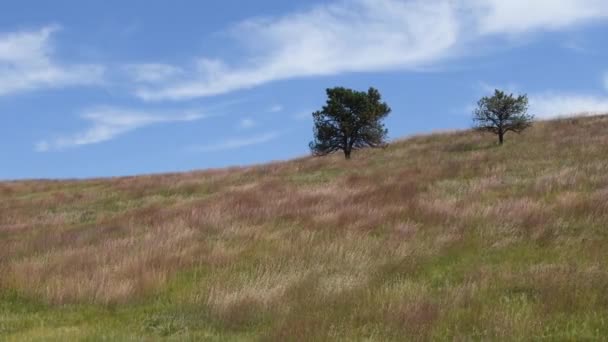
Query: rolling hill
x,y
442,236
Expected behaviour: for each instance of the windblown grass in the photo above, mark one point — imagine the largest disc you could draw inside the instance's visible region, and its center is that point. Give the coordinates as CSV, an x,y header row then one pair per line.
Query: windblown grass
x,y
444,236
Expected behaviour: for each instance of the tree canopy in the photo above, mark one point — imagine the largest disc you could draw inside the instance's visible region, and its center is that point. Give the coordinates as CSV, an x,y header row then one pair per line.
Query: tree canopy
x,y
502,113
349,120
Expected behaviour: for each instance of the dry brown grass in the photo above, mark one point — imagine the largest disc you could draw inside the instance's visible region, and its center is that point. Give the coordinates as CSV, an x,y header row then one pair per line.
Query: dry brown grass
x,y
440,236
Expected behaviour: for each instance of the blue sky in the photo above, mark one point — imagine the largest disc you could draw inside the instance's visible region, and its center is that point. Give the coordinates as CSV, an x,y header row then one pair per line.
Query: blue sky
x,y
109,88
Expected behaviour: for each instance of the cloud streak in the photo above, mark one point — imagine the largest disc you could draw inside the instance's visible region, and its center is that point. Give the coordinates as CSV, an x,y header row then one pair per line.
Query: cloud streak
x,y
152,72
240,142
521,16
276,108
552,105
26,64
107,123
355,36
557,104
246,123
367,36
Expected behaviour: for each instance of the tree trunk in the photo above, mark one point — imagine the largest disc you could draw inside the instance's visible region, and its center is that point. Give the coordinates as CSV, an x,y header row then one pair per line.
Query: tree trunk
x,y
347,153
501,137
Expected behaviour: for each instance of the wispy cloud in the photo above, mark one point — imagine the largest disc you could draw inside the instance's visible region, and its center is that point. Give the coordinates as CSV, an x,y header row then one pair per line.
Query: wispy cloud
x,y
276,108
346,36
553,104
246,123
27,63
556,105
368,35
152,72
239,142
521,16
575,46
107,123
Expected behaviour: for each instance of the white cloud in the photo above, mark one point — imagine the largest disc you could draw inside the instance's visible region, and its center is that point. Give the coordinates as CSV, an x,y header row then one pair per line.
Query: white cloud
x,y
354,36
235,143
108,123
519,16
575,46
369,35
276,108
26,63
246,123
152,72
556,105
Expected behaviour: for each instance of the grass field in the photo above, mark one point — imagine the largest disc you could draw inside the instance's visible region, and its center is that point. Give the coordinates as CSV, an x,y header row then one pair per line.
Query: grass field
x,y
445,236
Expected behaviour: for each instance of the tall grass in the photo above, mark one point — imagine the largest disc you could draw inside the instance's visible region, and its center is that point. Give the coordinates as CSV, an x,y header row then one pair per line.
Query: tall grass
x,y
444,236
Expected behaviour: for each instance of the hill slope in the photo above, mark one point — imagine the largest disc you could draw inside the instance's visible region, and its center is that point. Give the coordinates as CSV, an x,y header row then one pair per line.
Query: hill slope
x,y
440,236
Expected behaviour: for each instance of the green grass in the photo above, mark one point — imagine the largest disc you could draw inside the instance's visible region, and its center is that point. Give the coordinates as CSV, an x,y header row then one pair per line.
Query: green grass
x,y
438,237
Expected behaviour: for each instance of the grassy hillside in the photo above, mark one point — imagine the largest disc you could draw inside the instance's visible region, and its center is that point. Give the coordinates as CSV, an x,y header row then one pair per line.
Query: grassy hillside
x,y
443,236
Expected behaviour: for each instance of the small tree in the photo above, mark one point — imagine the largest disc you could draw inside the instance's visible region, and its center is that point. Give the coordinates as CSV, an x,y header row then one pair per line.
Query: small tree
x,y
502,113
349,120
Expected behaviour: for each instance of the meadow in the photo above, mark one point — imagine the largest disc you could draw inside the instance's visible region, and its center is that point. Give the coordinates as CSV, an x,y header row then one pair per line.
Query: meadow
x,y
444,236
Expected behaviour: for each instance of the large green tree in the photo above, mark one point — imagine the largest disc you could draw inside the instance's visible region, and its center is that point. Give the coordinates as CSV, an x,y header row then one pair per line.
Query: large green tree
x,y
502,113
349,120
